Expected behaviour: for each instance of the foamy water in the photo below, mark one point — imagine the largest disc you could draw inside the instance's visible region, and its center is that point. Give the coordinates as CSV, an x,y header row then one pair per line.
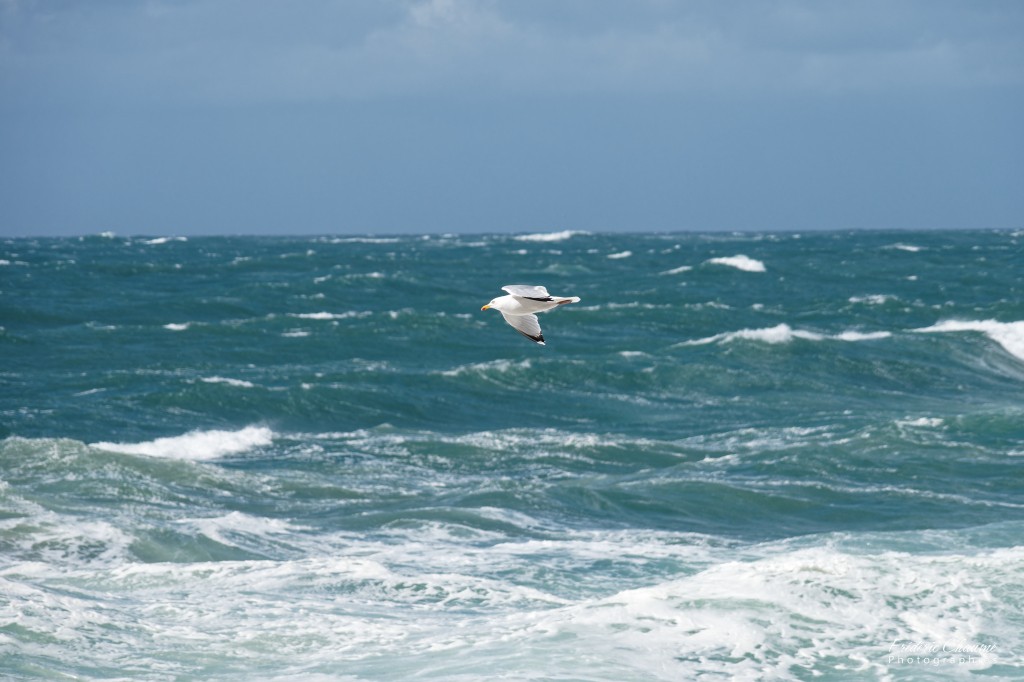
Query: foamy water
x,y
315,458
1009,335
739,262
196,445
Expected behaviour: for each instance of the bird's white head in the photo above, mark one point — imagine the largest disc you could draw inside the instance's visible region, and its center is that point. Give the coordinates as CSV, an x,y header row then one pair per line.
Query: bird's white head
x,y
493,304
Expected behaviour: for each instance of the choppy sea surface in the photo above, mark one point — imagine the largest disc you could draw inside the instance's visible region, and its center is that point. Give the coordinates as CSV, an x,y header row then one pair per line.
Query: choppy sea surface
x,y
740,456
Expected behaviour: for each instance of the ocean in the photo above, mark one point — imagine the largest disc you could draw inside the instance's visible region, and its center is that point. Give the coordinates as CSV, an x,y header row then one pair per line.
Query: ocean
x,y
739,456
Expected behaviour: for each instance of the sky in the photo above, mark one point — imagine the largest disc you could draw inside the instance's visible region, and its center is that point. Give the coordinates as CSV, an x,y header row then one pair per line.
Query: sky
x,y
191,117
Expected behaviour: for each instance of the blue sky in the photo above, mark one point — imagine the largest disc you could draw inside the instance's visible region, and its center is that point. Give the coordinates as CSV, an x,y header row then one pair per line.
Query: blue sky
x,y
272,117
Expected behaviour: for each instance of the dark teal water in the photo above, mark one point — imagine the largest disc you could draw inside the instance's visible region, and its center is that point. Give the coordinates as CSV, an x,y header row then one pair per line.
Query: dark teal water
x,y
749,456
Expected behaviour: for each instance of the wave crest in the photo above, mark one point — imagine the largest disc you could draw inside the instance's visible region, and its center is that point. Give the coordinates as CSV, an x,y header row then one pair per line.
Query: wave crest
x,y
548,236
783,333
1009,335
196,445
740,262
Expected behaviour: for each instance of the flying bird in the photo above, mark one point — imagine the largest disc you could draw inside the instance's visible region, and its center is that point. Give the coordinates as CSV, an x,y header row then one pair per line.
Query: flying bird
x,y
522,302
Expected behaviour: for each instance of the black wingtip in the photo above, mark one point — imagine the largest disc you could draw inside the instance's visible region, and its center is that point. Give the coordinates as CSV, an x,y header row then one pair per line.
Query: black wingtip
x,y
536,339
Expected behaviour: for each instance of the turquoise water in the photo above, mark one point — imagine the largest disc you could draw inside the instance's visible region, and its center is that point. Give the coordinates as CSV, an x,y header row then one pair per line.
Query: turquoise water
x,y
749,456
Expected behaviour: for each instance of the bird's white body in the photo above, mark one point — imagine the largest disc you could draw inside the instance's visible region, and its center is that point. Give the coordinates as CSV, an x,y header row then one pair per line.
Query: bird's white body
x,y
520,306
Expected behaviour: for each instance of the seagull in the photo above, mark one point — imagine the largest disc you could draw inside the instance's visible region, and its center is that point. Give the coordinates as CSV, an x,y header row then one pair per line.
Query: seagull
x,y
522,302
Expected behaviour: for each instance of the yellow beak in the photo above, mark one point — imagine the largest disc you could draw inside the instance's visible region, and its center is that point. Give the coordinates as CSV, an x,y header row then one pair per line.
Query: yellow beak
x,y
486,307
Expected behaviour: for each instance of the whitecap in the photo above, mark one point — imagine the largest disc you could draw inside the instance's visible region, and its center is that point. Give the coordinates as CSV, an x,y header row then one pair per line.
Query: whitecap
x,y
548,236
363,240
176,327
237,524
740,262
715,305
861,336
230,382
924,422
748,618
872,299
905,247
676,271
1009,335
395,314
620,254
781,333
196,445
634,304
164,240
500,366
60,540
331,316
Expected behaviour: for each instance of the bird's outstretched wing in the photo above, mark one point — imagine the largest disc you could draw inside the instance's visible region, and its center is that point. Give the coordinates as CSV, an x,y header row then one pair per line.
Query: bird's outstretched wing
x,y
527,325
535,293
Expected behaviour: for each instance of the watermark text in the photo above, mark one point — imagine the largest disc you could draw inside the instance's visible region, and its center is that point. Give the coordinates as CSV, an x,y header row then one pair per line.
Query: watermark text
x,y
924,652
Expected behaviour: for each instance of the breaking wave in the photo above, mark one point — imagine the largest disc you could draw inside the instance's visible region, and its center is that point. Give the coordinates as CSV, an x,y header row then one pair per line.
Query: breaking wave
x,y
739,262
196,445
1009,335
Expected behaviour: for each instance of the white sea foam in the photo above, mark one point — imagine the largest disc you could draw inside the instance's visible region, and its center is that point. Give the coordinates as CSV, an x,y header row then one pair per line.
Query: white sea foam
x,y
873,299
740,262
395,314
906,247
676,271
494,366
178,327
548,236
620,254
783,333
746,618
164,240
60,539
230,382
197,445
332,316
362,240
226,529
924,422
442,600
861,336
1009,335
